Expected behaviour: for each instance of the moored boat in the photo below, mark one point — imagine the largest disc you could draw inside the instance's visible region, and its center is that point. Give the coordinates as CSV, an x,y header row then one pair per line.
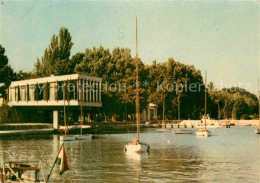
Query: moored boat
x,y
204,132
183,131
68,137
136,145
164,130
84,137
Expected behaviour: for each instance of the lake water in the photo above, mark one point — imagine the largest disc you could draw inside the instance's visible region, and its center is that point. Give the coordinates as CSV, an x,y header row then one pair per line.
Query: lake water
x,y
229,155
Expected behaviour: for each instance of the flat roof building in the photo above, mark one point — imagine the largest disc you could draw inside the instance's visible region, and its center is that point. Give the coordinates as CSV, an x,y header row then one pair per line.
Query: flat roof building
x,y
44,99
69,90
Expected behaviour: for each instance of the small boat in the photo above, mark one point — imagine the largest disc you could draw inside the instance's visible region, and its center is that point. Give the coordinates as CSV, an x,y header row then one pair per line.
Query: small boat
x,y
182,131
136,145
83,137
68,138
163,130
203,132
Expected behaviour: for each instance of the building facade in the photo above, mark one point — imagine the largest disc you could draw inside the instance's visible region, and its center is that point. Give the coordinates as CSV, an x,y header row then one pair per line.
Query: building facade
x,y
45,99
69,90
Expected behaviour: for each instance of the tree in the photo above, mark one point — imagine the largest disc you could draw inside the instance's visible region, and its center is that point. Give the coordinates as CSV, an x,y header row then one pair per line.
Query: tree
x,y
21,75
6,72
56,57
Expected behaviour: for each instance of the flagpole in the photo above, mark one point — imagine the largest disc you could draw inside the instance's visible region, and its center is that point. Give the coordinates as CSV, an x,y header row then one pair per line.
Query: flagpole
x,y
54,163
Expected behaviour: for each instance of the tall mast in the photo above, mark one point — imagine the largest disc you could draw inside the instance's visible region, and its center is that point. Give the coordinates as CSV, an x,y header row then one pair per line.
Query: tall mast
x,y
64,98
205,100
137,85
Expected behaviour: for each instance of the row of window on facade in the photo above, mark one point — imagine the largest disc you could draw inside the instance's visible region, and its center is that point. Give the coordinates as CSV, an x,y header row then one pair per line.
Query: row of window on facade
x,y
82,90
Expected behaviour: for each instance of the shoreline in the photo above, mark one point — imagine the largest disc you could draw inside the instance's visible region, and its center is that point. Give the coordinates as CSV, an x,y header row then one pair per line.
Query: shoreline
x,y
7,129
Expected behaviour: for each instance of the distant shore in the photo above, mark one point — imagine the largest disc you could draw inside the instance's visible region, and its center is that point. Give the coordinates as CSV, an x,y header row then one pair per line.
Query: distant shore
x,y
91,128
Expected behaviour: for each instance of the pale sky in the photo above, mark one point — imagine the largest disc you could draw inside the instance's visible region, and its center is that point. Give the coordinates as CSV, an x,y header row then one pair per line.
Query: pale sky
x,y
220,37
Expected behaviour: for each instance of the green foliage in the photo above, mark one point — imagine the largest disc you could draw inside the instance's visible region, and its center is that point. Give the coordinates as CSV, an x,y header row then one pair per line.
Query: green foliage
x,y
173,79
21,75
6,72
235,103
56,57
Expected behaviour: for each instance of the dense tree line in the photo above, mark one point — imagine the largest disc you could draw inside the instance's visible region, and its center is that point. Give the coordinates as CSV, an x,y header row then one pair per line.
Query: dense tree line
x,y
164,84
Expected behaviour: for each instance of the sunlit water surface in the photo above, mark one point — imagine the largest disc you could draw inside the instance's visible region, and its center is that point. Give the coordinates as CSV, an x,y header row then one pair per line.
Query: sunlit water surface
x,y
229,155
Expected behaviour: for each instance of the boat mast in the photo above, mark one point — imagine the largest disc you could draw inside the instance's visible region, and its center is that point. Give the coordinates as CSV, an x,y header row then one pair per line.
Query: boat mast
x,y
137,86
64,98
205,100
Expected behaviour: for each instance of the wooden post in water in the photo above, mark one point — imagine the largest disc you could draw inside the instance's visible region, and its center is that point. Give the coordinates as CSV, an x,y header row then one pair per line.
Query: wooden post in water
x,y
137,87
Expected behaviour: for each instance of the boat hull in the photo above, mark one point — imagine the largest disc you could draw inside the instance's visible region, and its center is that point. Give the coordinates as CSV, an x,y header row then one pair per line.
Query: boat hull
x,y
138,148
84,137
68,138
163,130
183,132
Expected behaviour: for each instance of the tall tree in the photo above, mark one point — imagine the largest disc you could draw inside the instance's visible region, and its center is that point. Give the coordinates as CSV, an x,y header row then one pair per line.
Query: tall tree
x,y
6,72
56,57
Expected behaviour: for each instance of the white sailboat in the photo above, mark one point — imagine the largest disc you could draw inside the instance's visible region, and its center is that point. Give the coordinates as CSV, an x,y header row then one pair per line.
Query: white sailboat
x,y
81,136
257,130
204,131
66,137
136,145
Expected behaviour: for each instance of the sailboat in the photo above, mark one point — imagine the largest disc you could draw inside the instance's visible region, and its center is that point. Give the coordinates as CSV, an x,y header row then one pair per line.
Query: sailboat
x,y
204,131
257,131
82,137
66,137
136,145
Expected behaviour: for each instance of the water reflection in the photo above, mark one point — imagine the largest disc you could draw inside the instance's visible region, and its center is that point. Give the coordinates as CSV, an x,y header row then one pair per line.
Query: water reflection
x,y
231,155
135,157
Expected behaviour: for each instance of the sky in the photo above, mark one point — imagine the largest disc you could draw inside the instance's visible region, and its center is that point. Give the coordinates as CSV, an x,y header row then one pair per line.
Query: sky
x,y
221,37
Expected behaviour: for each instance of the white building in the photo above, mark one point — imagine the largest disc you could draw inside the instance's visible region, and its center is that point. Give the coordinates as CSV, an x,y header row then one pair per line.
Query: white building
x,y
71,90
52,93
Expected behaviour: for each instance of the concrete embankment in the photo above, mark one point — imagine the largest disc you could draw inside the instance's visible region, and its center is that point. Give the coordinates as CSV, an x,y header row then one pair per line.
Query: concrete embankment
x,y
245,122
88,128
234,122
25,129
105,128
